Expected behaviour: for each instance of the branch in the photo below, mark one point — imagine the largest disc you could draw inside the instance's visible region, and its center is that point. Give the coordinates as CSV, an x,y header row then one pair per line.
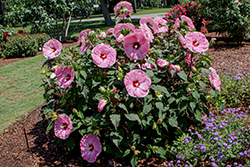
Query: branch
x,y
74,29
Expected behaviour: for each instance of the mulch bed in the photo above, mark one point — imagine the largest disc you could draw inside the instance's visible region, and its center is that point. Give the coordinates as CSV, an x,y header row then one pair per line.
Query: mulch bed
x,y
41,149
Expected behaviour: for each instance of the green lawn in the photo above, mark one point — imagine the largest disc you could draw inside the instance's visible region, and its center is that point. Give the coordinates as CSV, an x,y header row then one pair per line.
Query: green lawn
x,y
20,89
97,24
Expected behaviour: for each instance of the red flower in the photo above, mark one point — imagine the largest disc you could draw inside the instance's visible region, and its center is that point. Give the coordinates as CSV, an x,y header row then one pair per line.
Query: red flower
x,y
20,32
5,36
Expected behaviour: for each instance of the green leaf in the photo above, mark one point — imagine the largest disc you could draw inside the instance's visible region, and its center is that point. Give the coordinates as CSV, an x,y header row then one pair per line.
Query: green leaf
x,y
70,143
160,88
116,138
77,75
126,153
50,126
182,75
173,122
83,73
162,152
196,95
192,105
171,100
147,108
115,119
134,161
213,93
206,71
133,117
165,126
107,149
122,106
198,115
159,105
183,106
202,84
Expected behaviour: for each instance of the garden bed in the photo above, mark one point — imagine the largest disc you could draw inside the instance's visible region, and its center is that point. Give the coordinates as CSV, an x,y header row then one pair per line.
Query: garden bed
x,y
43,150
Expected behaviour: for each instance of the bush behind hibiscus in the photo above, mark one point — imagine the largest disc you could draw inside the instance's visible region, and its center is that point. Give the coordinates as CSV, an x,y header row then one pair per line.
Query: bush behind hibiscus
x,y
128,94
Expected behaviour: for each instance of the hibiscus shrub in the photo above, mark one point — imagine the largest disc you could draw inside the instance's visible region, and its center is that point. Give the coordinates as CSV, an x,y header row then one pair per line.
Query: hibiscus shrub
x,y
230,17
126,91
19,46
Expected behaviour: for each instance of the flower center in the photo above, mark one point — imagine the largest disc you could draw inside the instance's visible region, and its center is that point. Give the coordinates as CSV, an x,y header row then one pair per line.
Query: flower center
x,y
103,56
54,49
195,43
68,77
136,45
65,125
136,84
91,147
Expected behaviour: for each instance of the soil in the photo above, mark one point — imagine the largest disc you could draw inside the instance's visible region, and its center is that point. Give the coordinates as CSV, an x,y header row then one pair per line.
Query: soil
x,y
41,149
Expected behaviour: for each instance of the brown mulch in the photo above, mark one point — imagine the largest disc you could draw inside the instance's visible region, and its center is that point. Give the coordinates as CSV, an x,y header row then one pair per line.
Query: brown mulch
x,y
43,150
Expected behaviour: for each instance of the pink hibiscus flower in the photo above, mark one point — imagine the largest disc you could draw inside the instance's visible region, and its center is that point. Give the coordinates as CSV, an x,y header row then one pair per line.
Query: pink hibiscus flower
x,y
148,33
62,126
137,83
103,55
52,49
188,59
102,35
101,105
110,31
123,9
145,65
65,76
90,147
136,45
181,38
188,21
119,40
176,68
161,63
83,34
152,23
196,42
214,79
120,26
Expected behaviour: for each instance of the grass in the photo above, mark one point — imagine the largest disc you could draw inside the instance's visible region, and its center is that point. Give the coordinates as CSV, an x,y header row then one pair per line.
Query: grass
x,y
96,24
20,89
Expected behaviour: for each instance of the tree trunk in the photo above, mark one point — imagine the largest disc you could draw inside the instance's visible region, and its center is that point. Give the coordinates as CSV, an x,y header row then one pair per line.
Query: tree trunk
x,y
106,14
2,11
134,6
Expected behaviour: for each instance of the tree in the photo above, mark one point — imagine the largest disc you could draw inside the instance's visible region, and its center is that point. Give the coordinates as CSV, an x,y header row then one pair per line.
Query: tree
x,y
47,13
106,14
2,11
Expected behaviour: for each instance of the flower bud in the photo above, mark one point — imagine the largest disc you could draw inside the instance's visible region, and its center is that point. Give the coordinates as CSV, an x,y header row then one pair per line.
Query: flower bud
x,y
102,89
54,68
43,71
193,68
113,91
136,152
141,115
159,121
154,126
54,116
133,148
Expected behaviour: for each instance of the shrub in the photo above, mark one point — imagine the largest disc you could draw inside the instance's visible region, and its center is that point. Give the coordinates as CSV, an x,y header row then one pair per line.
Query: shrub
x,y
41,39
128,89
19,46
190,9
228,17
6,32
